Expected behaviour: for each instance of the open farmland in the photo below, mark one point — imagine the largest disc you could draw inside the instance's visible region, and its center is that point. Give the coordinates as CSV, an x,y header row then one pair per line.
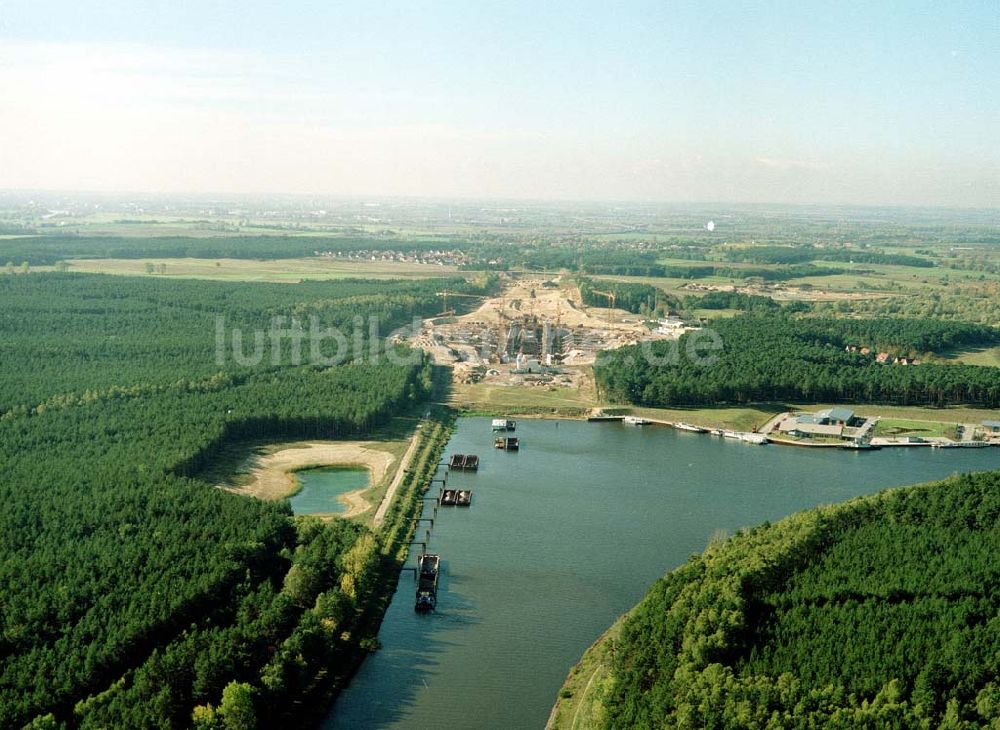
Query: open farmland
x,y
277,270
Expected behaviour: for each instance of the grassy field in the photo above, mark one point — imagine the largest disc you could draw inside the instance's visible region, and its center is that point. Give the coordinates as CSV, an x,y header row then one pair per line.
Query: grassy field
x,y
735,418
951,415
980,356
521,400
908,427
569,402
278,270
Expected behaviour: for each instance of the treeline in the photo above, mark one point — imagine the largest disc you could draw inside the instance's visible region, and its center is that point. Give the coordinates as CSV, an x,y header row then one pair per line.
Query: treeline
x,y
783,358
904,336
636,298
71,338
47,250
876,613
735,300
805,254
775,273
132,591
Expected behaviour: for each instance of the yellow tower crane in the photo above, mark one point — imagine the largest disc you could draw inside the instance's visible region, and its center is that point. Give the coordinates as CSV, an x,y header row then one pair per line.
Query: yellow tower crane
x,y
447,294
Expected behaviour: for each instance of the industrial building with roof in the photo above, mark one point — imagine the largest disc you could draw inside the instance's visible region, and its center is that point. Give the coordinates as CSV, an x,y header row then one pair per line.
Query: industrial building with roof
x,y
830,422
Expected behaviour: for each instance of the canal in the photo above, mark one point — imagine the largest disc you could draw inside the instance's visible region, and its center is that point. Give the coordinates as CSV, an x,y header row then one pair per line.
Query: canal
x,y
567,534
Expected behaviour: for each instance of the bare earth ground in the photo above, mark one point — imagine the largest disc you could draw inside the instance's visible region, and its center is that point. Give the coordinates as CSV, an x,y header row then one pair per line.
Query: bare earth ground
x,y
272,476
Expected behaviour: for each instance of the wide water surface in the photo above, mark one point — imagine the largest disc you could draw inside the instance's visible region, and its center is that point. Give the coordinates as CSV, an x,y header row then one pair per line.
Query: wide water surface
x,y
567,534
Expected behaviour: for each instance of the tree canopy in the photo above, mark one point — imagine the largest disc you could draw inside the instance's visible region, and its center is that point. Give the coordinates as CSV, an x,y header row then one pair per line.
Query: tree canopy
x,y
880,612
132,591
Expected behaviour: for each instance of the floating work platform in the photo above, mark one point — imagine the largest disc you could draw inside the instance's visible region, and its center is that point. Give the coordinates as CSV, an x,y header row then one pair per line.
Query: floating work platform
x,y
502,424
507,443
747,437
428,568
448,497
463,498
465,462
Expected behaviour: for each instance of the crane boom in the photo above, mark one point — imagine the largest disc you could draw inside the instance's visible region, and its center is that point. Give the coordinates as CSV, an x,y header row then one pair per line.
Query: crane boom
x,y
447,294
610,296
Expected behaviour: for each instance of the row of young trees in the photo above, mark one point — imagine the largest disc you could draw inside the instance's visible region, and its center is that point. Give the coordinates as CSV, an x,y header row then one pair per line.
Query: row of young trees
x,y
637,298
131,591
784,358
876,613
806,254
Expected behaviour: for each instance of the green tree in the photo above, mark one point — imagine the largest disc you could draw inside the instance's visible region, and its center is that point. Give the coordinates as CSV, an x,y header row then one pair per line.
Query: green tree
x,y
237,708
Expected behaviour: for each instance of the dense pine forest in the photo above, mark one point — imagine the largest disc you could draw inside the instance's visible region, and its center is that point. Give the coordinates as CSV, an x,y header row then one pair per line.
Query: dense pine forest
x,y
880,612
133,594
784,358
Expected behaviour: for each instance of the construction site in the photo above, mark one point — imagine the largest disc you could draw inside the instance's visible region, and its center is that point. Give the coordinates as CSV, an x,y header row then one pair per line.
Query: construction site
x,y
536,333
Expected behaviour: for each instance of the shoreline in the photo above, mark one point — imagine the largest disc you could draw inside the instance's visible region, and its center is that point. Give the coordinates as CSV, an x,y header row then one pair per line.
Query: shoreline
x,y
651,418
274,476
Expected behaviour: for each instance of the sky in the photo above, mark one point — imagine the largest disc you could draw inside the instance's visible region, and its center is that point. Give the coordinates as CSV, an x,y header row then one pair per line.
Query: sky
x,y
882,103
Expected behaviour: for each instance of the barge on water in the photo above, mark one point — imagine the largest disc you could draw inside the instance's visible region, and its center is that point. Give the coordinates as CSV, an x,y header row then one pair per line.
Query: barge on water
x,y
507,443
635,421
465,462
747,437
428,568
503,424
456,498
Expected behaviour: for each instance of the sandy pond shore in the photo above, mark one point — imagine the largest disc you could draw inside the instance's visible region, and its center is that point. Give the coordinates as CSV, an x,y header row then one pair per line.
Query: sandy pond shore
x,y
272,476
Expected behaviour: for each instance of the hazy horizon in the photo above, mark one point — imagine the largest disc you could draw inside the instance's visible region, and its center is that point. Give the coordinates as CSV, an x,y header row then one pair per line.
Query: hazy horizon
x,y
645,102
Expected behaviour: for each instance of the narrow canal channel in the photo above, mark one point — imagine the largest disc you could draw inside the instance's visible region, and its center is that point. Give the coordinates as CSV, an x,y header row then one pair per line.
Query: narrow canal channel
x,y
567,534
